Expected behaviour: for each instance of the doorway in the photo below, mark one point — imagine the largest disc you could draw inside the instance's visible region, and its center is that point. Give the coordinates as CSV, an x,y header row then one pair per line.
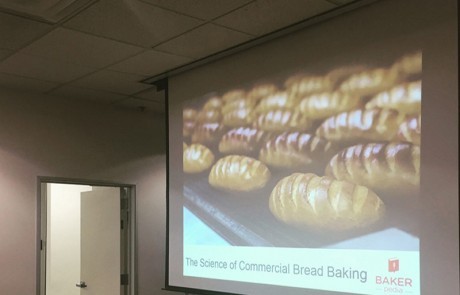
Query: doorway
x,y
86,238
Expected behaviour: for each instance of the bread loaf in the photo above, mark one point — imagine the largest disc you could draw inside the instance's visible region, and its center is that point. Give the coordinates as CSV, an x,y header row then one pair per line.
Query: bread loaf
x,y
213,103
282,120
409,65
322,203
207,134
302,151
189,114
238,173
406,98
304,84
410,130
260,91
279,100
362,126
187,128
188,121
383,167
242,141
326,104
235,94
338,75
238,117
368,82
237,104
209,116
197,158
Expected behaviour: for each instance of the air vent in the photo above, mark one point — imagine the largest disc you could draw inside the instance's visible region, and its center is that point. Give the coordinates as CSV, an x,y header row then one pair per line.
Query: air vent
x,y
51,11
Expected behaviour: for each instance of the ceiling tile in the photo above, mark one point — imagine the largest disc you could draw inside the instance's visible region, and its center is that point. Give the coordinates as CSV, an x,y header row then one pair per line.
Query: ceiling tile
x,y
49,10
134,22
43,69
204,41
17,82
84,49
264,16
17,32
150,63
87,94
4,53
203,9
151,94
112,81
142,104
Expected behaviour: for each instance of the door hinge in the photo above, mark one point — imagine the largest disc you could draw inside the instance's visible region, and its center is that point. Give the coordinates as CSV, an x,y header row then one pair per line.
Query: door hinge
x,y
124,279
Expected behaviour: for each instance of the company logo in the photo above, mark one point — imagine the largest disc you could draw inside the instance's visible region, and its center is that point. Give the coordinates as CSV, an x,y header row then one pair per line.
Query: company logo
x,y
393,284
393,265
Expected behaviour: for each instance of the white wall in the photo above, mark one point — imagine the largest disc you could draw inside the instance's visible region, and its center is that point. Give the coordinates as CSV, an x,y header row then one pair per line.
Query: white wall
x,y
44,136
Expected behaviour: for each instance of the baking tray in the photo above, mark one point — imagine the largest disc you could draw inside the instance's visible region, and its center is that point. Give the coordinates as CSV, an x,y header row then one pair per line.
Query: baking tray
x,y
244,219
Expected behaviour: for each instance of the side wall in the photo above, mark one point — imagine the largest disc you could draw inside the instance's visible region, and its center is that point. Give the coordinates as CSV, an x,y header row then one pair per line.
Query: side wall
x,y
43,136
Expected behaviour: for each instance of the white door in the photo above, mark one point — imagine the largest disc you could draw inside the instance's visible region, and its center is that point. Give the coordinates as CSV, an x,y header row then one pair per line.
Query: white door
x,y
100,241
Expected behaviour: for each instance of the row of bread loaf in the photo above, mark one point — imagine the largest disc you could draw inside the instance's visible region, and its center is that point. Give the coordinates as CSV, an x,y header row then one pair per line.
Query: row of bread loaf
x,y
307,199
307,98
382,167
398,107
343,129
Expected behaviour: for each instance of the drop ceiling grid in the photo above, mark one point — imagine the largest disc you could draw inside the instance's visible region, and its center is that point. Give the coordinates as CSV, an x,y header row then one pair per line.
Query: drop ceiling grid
x,y
84,52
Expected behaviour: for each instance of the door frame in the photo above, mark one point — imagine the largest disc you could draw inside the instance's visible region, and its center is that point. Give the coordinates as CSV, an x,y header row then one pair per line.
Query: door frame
x,y
41,215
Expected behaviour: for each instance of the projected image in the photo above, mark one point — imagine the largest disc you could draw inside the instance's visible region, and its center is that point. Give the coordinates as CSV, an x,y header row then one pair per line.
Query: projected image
x,y
310,160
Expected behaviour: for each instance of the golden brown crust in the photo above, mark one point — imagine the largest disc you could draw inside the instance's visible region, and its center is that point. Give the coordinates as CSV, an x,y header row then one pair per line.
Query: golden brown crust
x,y
189,114
322,203
239,173
260,91
362,126
207,134
406,98
368,82
296,150
304,84
409,65
188,121
235,94
338,75
238,117
411,130
197,158
282,120
276,101
187,128
326,104
213,103
242,140
209,116
237,104
384,167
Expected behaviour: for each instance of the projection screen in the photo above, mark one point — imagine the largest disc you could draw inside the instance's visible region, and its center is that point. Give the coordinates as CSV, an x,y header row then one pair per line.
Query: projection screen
x,y
299,166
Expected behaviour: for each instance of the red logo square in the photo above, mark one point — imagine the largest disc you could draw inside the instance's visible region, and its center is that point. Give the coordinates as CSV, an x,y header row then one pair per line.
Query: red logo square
x,y
393,265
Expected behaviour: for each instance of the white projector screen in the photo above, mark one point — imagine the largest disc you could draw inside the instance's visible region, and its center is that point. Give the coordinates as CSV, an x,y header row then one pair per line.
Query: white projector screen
x,y
299,166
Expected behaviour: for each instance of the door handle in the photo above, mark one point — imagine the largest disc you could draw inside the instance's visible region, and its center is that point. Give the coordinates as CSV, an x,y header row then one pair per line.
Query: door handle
x,y
81,285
